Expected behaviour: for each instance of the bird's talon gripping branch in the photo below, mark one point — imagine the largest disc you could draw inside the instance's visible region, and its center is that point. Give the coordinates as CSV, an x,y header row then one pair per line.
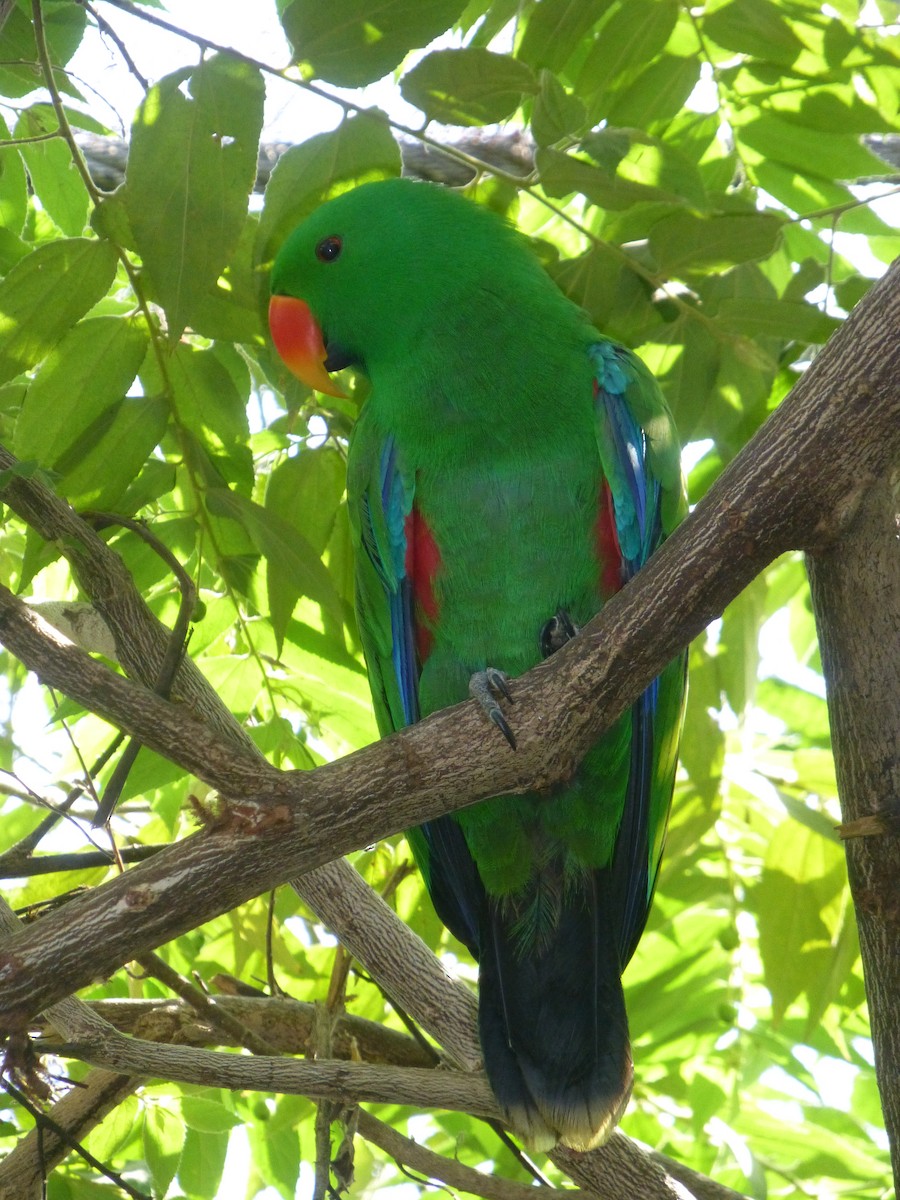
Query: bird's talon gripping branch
x,y
485,686
556,632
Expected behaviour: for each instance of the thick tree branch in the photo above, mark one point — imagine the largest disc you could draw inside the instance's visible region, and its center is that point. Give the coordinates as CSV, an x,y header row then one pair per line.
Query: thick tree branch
x,y
328,1079
21,1173
615,1170
510,151
287,1025
856,599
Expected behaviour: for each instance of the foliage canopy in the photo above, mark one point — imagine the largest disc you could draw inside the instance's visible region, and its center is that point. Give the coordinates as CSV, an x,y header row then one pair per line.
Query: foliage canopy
x,y
702,185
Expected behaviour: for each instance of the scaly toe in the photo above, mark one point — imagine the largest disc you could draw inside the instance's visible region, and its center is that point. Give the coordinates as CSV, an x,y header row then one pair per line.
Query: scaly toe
x,y
485,687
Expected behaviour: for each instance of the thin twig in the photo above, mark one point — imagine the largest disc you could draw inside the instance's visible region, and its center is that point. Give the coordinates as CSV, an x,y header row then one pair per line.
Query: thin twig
x,y
104,26
274,987
43,1121
175,649
160,969
52,864
435,1166
17,855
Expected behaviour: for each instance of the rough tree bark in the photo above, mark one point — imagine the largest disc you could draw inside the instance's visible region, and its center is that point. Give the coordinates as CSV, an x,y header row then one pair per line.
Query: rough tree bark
x,y
797,485
856,599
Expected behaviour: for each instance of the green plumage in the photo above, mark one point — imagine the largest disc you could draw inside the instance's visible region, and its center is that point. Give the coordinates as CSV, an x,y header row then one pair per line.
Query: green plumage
x,y
509,463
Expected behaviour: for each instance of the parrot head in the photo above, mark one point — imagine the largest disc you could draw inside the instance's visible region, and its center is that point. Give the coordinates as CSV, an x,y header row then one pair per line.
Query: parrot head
x,y
372,273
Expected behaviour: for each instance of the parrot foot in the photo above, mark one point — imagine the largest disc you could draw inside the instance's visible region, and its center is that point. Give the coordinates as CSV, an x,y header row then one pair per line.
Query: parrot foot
x,y
556,632
486,687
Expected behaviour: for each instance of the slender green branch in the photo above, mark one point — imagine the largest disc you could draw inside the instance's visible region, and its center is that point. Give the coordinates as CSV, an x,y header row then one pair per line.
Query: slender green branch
x,y
5,143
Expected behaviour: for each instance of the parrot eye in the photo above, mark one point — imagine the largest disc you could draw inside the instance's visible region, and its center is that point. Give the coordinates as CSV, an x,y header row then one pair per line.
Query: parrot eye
x,y
329,249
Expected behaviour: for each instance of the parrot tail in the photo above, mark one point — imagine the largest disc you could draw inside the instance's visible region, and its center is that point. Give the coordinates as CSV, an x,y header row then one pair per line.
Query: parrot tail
x,y
554,1032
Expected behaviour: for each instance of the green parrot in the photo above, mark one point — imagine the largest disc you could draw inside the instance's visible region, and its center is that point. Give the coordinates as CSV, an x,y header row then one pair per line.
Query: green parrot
x,y
510,470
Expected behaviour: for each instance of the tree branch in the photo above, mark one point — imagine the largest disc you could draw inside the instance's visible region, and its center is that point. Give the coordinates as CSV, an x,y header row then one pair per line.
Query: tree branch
x,y
447,1170
856,600
287,1025
24,1169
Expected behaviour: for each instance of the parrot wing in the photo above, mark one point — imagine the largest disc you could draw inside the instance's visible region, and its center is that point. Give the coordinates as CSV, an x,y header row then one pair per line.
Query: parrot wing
x,y
644,500
396,559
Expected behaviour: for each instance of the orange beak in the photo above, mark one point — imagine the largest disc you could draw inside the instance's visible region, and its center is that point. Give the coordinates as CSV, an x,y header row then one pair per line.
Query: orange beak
x,y
298,340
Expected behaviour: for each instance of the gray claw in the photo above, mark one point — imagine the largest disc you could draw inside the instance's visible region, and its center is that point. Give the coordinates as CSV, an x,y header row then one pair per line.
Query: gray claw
x,y
485,686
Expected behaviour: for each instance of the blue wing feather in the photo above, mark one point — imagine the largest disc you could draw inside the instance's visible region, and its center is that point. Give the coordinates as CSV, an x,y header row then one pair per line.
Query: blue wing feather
x,y
637,506
384,507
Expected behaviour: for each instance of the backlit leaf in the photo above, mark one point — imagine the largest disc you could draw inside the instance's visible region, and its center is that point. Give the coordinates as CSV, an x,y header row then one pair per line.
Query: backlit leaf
x,y
45,294
686,242
86,373
191,165
468,87
352,42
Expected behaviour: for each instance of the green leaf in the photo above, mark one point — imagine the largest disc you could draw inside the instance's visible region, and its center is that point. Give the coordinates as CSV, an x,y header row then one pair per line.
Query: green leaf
x,y
649,161
304,492
191,166
276,1151
64,25
54,178
608,146
13,187
816,152
45,294
163,1142
353,42
116,1131
784,319
804,873
556,113
738,657
687,242
562,174
90,370
684,356
208,403
800,710
656,94
359,150
231,310
556,29
703,742
202,1164
468,87
287,552
156,479
592,281
111,452
207,1116
626,41
754,27
849,292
